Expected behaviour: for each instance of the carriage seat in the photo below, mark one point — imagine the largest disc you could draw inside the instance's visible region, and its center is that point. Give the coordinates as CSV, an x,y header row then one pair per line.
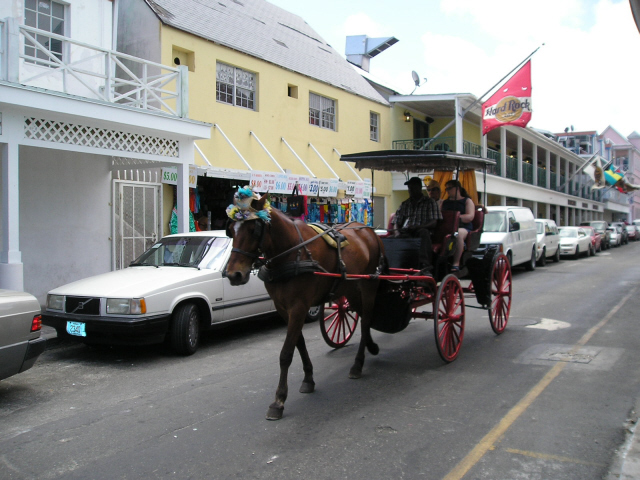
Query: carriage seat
x,y
443,235
472,241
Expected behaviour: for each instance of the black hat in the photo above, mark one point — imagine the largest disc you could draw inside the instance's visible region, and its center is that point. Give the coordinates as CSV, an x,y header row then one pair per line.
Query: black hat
x,y
414,181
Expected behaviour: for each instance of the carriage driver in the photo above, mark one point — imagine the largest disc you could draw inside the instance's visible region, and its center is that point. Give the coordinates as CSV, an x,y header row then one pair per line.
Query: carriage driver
x,y
417,217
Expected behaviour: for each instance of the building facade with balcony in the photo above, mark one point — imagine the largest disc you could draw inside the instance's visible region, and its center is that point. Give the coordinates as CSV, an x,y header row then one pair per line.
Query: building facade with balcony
x,y
281,100
621,152
532,169
74,123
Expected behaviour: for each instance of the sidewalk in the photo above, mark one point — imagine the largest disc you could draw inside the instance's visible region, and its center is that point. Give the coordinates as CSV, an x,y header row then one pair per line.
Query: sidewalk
x,y
626,464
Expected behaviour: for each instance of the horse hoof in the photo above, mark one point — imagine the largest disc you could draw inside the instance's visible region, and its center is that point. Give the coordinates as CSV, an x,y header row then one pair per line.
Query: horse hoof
x,y
373,348
274,412
307,387
355,374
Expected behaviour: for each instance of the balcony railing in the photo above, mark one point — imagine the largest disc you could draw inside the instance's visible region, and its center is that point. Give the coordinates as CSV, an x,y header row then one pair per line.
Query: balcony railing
x,y
447,144
90,71
512,168
527,173
542,177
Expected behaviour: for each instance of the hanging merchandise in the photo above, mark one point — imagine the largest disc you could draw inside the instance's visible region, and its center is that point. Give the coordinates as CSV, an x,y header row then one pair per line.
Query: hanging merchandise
x,y
296,203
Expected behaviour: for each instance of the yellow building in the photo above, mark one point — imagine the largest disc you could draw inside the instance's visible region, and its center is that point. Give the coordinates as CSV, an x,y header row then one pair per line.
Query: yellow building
x,y
280,98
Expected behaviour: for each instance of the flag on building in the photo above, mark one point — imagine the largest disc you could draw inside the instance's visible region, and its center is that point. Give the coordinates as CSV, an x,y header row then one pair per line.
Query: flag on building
x,y
595,171
511,104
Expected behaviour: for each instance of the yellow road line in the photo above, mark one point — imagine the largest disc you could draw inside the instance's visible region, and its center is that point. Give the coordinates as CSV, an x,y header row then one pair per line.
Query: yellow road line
x,y
489,440
544,456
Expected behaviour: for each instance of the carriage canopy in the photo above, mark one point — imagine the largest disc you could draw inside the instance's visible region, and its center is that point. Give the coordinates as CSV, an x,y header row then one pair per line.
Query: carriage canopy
x,y
416,160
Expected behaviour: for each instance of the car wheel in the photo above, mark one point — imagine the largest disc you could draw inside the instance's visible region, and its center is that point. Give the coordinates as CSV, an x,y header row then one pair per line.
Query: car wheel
x,y
314,314
185,329
590,252
530,266
543,258
577,254
556,257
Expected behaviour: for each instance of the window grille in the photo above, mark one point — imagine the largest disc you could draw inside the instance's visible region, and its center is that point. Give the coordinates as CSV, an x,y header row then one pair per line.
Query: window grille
x,y
235,86
322,112
48,16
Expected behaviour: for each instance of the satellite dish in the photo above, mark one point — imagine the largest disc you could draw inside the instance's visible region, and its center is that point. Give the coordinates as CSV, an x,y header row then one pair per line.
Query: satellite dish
x,y
416,78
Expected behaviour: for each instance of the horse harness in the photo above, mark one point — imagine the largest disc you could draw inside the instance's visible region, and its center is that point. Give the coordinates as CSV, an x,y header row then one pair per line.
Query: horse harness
x,y
269,273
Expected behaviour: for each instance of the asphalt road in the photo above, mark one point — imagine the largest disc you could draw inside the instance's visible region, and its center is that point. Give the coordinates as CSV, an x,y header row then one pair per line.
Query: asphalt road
x,y
548,399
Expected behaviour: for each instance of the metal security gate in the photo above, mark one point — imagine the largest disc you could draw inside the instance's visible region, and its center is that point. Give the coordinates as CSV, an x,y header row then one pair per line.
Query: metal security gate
x,y
137,220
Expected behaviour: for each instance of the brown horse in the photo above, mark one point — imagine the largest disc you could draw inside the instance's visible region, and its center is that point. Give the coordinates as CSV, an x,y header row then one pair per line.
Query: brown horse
x,y
278,241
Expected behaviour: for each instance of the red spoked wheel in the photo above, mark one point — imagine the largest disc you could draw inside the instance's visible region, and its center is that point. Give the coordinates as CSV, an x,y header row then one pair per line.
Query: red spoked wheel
x,y
501,290
338,323
448,317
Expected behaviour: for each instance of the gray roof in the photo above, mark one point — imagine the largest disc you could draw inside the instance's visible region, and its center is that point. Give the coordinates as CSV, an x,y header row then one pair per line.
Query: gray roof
x,y
262,30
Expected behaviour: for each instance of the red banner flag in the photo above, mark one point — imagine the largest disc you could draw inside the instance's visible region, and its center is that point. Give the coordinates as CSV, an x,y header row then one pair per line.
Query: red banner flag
x,y
511,104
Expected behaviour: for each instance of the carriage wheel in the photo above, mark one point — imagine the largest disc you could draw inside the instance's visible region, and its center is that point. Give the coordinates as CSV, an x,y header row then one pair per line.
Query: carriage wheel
x,y
448,316
339,323
501,287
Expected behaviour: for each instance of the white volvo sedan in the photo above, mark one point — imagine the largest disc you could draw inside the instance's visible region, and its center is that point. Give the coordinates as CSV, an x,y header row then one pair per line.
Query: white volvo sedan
x,y
172,291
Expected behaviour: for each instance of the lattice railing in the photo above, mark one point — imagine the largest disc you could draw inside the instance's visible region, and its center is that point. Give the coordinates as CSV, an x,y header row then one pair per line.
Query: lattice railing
x,y
94,72
103,138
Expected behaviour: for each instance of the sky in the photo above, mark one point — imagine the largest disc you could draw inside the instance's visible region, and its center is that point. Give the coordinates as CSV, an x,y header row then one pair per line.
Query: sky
x,y
586,73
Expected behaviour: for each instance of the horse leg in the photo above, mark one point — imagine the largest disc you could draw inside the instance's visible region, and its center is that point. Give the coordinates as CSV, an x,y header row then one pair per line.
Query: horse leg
x,y
308,385
366,339
294,330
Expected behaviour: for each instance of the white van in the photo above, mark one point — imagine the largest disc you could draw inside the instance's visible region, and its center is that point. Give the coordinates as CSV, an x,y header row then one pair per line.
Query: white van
x,y
513,231
548,241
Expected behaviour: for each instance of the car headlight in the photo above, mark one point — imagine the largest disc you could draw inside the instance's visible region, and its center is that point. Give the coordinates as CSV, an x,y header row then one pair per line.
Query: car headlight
x,y
126,306
55,302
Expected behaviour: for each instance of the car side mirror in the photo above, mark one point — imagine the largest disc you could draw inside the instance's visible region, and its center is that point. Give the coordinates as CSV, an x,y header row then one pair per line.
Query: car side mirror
x,y
514,227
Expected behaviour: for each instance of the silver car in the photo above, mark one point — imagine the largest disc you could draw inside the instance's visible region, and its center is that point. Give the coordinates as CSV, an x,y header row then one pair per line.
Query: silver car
x,y
20,324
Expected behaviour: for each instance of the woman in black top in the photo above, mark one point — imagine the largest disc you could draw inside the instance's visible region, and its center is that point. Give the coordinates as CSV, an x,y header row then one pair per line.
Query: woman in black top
x,y
459,201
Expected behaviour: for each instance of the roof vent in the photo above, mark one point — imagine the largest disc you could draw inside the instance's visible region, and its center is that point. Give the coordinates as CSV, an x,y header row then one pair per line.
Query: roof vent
x,y
360,49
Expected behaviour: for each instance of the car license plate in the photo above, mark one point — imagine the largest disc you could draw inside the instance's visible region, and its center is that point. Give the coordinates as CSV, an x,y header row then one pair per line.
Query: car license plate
x,y
77,329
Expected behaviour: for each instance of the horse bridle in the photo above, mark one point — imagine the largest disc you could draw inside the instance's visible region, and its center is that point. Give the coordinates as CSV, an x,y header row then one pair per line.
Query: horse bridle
x,y
258,232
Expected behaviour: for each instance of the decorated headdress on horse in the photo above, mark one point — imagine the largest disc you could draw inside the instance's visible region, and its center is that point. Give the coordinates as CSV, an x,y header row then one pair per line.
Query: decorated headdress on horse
x,y
241,208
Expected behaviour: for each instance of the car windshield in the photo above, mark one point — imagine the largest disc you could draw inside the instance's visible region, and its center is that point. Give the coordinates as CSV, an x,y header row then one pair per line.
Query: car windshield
x,y
565,232
599,226
186,251
495,222
539,228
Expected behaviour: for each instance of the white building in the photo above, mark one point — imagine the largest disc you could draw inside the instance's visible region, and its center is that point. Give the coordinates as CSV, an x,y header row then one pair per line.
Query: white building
x,y
82,142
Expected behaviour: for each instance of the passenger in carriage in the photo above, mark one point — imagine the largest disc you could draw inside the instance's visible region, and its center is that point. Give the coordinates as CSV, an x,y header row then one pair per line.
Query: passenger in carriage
x,y
434,192
459,201
417,217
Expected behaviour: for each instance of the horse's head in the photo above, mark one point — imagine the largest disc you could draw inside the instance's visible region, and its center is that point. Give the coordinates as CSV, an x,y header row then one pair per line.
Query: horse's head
x,y
248,219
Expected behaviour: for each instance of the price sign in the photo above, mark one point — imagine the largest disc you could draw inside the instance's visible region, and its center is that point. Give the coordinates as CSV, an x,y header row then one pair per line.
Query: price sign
x,y
170,175
323,187
351,187
333,187
291,182
282,180
314,185
366,193
257,181
269,182
303,185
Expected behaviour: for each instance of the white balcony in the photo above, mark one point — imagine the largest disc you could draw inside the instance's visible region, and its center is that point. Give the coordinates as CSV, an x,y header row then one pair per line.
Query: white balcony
x,y
28,57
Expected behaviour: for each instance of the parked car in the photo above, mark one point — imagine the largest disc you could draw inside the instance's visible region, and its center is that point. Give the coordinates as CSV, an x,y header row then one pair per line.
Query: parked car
x,y
174,290
513,231
601,226
20,325
596,240
624,239
615,234
547,241
632,233
574,241
636,229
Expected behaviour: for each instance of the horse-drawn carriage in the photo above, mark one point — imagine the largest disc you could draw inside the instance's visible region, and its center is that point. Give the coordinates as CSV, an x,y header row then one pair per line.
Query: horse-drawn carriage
x,y
403,291
359,277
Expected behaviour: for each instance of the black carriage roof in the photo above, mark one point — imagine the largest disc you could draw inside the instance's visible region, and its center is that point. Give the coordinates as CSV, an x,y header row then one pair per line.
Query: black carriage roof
x,y
416,160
